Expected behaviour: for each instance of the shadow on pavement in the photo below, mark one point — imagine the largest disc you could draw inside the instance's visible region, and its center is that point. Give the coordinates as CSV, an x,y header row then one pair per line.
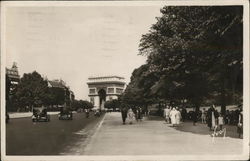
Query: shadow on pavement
x,y
202,129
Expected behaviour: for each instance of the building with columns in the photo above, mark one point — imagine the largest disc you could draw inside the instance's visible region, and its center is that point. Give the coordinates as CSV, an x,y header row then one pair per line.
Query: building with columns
x,y
102,89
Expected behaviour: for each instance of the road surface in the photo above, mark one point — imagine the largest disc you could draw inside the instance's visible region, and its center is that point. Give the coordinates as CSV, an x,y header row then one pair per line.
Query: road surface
x,y
154,137
23,137
107,135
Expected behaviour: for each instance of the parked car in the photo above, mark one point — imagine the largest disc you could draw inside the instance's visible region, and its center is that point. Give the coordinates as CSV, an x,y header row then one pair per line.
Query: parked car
x,y
65,114
40,114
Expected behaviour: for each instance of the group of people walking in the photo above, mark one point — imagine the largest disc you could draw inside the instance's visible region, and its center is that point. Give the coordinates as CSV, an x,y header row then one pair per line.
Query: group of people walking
x,y
131,114
216,120
172,115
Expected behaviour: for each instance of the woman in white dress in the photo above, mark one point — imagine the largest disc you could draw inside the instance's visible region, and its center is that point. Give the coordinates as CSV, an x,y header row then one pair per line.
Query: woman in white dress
x,y
131,116
166,114
178,116
203,116
173,116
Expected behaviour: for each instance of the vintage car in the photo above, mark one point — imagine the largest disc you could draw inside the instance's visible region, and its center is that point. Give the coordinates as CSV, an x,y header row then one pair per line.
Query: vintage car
x,y
65,114
97,113
40,114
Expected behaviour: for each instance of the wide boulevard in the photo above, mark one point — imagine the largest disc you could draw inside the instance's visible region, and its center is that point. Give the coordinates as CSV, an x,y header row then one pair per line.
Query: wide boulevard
x,y
106,135
24,137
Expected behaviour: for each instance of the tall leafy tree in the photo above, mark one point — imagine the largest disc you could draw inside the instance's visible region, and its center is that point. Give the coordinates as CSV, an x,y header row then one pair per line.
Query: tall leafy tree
x,y
195,51
112,104
31,90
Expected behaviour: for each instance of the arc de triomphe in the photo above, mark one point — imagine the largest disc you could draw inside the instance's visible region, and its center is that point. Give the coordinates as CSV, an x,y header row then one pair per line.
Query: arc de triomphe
x,y
104,88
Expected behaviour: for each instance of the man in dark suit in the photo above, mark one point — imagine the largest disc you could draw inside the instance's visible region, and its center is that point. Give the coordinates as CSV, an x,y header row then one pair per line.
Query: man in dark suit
x,y
124,114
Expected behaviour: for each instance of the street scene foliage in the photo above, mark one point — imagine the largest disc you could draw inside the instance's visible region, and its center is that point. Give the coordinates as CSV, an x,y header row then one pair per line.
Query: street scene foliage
x,y
81,104
112,104
194,55
33,91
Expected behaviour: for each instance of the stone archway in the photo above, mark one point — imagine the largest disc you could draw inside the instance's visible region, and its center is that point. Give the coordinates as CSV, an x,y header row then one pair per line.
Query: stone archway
x,y
102,98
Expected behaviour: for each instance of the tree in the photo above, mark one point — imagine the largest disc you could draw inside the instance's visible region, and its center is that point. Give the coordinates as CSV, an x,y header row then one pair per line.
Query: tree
x,y
76,104
86,104
112,104
194,52
56,96
135,94
32,90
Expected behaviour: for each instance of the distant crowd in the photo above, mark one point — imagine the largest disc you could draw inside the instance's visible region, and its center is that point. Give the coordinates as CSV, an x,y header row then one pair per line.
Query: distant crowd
x,y
230,117
175,116
211,117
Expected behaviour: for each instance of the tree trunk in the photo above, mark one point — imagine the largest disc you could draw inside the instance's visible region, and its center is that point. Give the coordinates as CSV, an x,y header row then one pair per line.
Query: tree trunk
x,y
223,102
223,98
197,107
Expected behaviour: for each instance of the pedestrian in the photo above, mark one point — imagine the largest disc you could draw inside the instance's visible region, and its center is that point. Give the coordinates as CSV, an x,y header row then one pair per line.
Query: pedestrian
x,y
231,117
240,123
236,116
194,117
87,112
173,116
130,116
166,114
124,115
203,116
183,114
135,110
178,116
211,117
139,112
220,121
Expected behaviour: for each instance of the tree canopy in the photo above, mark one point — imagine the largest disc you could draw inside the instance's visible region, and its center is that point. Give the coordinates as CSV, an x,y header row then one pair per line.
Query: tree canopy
x,y
77,104
32,90
112,104
193,53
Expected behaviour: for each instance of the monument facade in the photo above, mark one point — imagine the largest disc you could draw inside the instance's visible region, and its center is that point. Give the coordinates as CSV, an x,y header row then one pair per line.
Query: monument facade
x,y
102,89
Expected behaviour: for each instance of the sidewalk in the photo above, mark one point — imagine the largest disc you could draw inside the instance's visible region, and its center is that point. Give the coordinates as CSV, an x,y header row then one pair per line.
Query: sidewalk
x,y
26,114
151,137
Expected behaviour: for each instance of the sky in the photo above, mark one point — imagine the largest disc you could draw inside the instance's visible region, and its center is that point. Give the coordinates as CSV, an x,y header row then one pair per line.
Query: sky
x,y
74,43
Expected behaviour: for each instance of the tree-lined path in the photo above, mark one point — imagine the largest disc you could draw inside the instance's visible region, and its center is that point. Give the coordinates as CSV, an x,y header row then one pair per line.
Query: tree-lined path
x,y
151,137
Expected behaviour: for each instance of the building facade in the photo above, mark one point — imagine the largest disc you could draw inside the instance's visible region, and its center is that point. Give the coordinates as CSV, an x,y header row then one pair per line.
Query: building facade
x,y
102,89
13,76
65,90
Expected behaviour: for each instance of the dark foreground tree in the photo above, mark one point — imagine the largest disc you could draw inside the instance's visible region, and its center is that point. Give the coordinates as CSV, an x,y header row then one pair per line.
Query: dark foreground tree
x,y
194,53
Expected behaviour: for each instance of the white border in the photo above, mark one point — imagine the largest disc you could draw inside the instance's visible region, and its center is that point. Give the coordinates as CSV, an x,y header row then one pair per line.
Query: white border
x,y
3,58
245,3
124,3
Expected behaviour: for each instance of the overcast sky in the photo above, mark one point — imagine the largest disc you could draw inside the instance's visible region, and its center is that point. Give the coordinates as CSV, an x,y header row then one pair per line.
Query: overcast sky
x,y
74,43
